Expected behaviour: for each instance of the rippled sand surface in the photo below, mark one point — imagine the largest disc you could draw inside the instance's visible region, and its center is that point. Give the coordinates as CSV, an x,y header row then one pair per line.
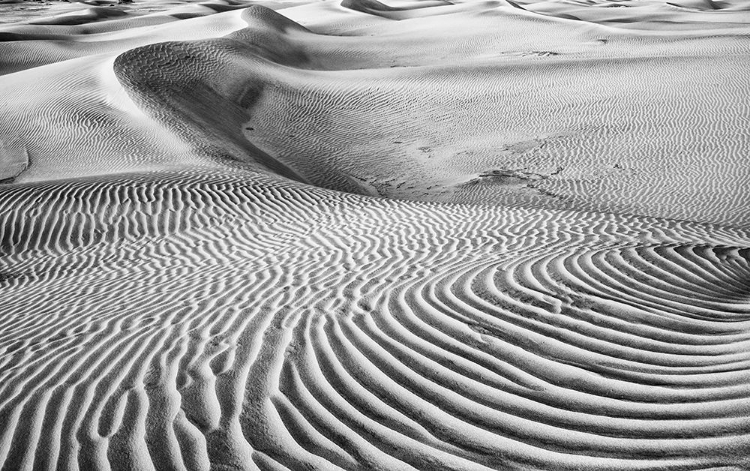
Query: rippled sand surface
x,y
357,235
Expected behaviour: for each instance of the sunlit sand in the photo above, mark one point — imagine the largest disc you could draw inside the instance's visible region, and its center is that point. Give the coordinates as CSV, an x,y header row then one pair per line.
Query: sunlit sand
x,y
360,235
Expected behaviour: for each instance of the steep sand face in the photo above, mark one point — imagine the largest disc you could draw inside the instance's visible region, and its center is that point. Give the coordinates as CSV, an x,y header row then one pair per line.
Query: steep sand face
x,y
472,103
359,235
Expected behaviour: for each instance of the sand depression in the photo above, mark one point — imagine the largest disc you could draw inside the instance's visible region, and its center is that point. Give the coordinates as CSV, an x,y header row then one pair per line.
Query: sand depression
x,y
351,235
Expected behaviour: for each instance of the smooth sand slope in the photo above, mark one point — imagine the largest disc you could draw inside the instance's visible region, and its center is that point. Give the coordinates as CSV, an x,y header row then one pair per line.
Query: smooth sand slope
x,y
357,235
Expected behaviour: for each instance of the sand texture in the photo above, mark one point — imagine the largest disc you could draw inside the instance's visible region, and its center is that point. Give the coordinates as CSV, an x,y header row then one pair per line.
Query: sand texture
x,y
360,235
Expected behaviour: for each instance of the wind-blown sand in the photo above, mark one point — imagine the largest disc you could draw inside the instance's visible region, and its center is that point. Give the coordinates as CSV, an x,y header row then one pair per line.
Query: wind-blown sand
x,y
358,235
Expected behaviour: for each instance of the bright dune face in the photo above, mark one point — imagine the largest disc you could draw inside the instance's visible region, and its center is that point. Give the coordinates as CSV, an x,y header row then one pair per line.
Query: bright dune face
x,y
358,235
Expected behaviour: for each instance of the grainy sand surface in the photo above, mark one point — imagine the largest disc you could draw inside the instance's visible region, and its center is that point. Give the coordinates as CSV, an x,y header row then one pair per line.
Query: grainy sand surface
x,y
360,235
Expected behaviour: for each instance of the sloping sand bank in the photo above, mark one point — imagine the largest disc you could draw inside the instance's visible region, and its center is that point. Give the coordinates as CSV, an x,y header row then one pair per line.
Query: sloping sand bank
x,y
358,235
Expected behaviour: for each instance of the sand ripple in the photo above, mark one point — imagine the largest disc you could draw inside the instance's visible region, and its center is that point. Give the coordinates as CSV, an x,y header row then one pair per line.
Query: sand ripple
x,y
239,321
211,287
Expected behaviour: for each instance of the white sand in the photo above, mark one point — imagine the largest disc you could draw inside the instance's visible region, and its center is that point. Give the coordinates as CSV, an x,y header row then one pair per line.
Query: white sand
x,y
229,236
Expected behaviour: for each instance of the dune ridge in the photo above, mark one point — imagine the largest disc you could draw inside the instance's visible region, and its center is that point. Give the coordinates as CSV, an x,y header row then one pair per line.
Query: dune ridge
x,y
346,236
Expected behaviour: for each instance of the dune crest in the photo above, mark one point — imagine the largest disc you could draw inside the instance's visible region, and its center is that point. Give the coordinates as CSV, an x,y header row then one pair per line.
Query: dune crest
x,y
362,235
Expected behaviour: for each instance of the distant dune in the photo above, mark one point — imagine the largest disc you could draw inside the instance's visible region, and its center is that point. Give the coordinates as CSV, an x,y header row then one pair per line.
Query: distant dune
x,y
375,235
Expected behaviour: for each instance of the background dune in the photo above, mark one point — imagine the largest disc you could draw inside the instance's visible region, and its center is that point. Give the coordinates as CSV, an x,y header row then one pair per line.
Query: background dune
x,y
368,235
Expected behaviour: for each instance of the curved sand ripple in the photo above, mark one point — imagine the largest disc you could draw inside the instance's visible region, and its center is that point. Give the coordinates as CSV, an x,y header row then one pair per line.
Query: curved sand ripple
x,y
236,320
190,301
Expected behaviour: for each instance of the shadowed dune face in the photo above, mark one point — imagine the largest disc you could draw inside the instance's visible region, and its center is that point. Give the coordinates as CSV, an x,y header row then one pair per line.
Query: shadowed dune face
x,y
585,117
229,237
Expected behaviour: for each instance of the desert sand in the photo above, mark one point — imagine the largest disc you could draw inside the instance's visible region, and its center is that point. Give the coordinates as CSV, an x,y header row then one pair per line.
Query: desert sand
x,y
353,234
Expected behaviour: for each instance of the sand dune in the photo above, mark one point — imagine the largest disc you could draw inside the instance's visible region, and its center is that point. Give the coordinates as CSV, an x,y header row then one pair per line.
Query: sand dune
x,y
376,235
